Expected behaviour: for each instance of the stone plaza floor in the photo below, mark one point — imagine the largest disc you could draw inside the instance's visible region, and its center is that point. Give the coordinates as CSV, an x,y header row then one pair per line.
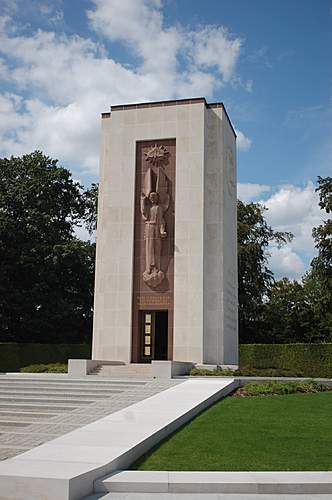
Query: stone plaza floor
x,y
93,430
35,409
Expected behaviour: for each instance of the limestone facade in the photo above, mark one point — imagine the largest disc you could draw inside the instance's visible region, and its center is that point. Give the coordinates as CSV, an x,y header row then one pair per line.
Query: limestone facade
x,y
205,254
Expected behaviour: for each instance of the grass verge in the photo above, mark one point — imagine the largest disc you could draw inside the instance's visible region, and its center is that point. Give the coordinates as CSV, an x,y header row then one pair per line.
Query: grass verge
x,y
291,432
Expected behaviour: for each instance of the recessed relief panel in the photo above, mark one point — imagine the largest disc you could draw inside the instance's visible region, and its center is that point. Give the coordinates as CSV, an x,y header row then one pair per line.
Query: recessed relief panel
x,y
153,280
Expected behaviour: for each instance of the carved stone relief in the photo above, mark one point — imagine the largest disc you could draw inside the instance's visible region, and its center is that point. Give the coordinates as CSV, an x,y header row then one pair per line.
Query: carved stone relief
x,y
154,203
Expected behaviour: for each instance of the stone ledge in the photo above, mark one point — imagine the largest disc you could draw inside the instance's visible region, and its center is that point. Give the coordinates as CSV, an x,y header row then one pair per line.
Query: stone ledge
x,y
160,369
246,380
277,483
170,369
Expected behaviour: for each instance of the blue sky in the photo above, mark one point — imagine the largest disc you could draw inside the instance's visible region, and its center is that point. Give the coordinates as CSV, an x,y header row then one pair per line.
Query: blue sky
x,y
64,62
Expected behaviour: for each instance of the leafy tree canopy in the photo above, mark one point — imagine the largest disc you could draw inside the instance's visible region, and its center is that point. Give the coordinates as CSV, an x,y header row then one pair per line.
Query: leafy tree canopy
x,y
90,198
255,278
46,285
323,233
318,281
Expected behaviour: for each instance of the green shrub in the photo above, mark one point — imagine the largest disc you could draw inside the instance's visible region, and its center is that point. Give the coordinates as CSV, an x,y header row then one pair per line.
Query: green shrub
x,y
15,355
281,388
308,360
279,360
247,372
218,372
46,368
269,372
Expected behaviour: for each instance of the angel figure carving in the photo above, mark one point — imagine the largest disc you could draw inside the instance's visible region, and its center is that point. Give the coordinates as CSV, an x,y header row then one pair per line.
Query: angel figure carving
x,y
154,203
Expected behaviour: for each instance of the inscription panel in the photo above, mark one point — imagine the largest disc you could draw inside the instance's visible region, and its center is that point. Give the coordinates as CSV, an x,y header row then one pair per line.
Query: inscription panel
x,y
146,301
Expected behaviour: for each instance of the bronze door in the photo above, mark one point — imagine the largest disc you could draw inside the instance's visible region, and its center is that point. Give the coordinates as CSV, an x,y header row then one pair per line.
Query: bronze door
x,y
154,335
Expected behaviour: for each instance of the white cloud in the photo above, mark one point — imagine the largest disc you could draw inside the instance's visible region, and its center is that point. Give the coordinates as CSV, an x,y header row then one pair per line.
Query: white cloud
x,y
213,46
243,142
249,85
60,84
140,25
295,209
285,262
250,191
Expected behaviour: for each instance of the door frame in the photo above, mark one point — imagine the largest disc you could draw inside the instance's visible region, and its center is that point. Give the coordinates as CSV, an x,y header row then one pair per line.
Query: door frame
x,y
147,332
144,334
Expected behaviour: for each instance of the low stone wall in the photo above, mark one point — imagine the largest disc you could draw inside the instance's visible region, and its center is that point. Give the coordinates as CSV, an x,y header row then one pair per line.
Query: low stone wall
x,y
160,369
170,369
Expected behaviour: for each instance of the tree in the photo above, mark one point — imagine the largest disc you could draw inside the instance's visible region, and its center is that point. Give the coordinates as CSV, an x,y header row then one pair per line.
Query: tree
x,y
46,286
255,278
318,281
302,312
322,234
287,314
90,197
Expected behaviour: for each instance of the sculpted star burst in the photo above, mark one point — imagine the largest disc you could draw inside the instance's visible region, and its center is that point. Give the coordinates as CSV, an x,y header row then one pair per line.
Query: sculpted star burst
x,y
157,155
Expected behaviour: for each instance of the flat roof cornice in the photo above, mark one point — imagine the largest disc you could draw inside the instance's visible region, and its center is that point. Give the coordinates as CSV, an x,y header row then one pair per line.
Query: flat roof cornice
x,y
172,102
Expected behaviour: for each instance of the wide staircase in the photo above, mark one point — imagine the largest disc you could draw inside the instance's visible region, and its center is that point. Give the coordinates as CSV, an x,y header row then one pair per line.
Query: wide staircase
x,y
124,371
37,408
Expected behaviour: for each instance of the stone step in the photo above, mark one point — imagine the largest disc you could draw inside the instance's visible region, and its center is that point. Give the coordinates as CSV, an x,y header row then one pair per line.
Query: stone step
x,y
126,376
132,370
13,447
24,417
71,383
65,387
63,382
124,369
42,407
201,483
64,379
12,425
46,399
60,392
11,414
55,387
93,387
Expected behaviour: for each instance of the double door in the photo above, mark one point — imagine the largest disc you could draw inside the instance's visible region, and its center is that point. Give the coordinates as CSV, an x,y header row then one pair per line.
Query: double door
x,y
154,335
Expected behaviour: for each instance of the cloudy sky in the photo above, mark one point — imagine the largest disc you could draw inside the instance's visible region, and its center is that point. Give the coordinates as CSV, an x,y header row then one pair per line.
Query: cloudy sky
x,y
63,62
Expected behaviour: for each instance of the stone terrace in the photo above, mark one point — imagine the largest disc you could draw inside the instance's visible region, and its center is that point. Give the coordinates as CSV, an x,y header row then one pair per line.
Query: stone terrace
x,y
37,408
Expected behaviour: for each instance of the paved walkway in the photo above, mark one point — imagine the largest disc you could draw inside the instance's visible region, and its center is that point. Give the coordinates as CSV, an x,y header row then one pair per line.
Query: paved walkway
x,y
35,409
67,467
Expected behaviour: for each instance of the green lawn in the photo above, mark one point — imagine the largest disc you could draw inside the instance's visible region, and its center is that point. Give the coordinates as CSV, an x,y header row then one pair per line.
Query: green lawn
x,y
292,432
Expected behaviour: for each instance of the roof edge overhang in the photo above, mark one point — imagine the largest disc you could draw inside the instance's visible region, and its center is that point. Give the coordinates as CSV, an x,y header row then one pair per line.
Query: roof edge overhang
x,y
171,102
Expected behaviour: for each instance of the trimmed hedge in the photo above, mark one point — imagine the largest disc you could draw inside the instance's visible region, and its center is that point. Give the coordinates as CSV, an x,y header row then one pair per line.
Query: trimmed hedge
x,y
280,388
49,368
311,360
15,356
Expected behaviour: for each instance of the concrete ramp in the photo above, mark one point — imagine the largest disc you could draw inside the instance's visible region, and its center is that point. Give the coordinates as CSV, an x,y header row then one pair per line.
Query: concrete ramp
x,y
66,468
